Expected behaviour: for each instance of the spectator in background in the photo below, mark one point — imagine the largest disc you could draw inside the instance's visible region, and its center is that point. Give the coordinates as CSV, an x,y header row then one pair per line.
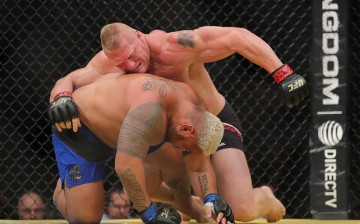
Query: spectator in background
x,y
4,210
31,206
119,205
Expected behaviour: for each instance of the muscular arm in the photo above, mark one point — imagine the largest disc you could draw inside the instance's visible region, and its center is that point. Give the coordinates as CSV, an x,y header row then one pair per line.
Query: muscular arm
x,y
203,178
212,43
141,125
201,174
98,65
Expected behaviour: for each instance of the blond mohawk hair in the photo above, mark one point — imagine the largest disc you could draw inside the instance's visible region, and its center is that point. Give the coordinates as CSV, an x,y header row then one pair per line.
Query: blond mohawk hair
x,y
209,133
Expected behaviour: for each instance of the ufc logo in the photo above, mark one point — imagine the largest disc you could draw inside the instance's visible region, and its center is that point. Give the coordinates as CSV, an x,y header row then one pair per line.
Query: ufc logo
x,y
295,85
165,212
58,102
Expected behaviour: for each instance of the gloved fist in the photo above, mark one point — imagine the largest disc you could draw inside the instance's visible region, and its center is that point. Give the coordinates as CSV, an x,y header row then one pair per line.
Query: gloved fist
x,y
220,208
166,215
293,88
63,113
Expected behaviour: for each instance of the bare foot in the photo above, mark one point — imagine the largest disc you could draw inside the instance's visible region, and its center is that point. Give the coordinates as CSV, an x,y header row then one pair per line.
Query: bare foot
x,y
277,210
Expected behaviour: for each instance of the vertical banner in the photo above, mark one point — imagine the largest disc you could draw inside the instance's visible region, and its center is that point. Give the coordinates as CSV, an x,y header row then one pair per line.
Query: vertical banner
x,y
329,147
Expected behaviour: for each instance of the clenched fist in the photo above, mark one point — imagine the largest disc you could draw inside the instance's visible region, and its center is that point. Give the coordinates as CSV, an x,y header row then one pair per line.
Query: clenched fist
x,y
293,88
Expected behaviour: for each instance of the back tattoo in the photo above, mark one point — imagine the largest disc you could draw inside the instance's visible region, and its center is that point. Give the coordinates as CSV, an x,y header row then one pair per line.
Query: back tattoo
x,y
161,84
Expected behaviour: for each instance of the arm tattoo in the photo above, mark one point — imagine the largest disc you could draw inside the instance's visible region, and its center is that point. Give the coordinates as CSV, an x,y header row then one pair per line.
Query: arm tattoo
x,y
186,40
138,129
204,184
137,196
162,84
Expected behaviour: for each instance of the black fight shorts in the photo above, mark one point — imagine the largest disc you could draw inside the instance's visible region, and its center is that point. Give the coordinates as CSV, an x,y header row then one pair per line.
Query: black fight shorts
x,y
232,129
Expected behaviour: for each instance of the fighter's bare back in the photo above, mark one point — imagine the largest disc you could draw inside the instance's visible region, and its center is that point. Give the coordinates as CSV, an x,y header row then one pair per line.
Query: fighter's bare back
x,y
129,92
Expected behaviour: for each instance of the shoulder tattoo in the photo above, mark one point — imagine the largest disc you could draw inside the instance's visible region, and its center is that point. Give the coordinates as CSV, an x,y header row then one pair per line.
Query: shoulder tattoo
x,y
139,127
162,85
186,40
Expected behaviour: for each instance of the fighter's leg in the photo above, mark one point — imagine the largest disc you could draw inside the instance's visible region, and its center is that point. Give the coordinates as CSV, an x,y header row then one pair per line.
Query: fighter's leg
x,y
85,203
79,194
82,203
233,175
235,187
277,210
59,199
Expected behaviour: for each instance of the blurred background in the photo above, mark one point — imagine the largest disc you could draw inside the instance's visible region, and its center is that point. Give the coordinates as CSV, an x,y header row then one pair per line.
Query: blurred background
x,y
41,41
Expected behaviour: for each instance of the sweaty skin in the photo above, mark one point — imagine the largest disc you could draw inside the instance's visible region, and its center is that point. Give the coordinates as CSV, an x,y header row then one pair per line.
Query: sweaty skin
x,y
180,56
130,109
142,108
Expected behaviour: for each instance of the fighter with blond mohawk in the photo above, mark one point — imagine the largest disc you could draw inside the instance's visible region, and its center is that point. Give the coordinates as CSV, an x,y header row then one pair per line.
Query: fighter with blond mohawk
x,y
132,114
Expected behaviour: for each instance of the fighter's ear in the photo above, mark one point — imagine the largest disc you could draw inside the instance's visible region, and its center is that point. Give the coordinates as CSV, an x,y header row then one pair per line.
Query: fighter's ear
x,y
186,129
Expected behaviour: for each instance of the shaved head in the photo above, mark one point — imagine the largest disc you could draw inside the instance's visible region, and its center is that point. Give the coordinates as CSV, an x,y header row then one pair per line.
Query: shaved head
x,y
112,34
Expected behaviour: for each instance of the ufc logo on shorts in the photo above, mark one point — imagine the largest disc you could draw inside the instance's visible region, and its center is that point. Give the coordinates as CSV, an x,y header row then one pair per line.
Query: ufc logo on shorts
x,y
74,173
58,102
295,85
165,212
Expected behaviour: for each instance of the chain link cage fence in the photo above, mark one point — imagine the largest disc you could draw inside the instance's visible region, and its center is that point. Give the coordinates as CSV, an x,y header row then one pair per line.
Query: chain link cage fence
x,y
41,41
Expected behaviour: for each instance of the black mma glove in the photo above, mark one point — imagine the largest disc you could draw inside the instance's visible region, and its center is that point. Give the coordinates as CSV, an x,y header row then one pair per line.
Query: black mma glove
x,y
293,88
218,205
166,215
62,109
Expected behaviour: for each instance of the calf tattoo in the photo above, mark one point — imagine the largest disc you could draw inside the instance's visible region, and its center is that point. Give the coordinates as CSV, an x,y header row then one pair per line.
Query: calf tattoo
x,y
138,129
